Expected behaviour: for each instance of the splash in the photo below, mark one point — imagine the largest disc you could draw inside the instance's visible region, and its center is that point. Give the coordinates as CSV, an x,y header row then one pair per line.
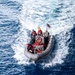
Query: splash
x,y
39,13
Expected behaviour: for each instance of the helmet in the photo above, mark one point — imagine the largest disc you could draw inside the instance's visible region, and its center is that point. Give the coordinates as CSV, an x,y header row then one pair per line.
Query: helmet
x,y
39,28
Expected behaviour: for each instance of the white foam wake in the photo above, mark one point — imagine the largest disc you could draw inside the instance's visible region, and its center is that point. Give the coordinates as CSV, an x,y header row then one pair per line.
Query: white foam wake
x,y
33,16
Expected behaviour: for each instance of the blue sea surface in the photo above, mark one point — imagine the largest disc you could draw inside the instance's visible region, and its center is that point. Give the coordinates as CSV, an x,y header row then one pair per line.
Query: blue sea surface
x,y
18,18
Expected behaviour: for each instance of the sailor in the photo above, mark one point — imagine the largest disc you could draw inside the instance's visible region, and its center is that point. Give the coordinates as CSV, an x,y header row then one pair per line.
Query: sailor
x,y
39,31
39,39
30,48
46,34
33,36
46,37
32,41
39,34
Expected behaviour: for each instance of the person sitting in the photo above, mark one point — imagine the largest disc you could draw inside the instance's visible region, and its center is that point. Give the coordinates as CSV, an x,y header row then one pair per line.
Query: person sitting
x,y
30,48
40,34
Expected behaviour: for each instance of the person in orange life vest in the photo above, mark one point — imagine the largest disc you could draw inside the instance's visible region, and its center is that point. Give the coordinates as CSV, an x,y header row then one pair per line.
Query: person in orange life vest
x,y
33,36
38,37
30,48
29,45
38,41
39,31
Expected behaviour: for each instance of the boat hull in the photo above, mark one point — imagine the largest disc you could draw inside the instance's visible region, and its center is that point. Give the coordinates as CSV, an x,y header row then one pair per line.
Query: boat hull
x,y
38,56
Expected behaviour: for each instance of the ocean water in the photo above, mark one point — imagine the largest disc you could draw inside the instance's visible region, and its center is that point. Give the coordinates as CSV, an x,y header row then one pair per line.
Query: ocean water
x,y
18,18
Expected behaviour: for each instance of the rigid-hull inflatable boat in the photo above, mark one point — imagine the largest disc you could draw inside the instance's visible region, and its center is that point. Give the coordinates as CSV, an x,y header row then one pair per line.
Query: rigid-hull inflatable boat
x,y
39,55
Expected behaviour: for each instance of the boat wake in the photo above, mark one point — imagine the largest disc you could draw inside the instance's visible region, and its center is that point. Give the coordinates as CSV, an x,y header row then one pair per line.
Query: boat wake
x,y
33,16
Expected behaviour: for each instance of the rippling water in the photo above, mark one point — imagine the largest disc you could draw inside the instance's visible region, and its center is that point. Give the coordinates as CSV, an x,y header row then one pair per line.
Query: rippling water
x,y
18,18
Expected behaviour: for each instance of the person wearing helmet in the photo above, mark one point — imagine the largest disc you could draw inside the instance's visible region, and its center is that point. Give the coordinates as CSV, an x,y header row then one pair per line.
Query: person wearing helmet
x,y
39,31
33,35
39,37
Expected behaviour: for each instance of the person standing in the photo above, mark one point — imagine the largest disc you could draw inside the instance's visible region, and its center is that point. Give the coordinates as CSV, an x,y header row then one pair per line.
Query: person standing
x,y
46,38
33,36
